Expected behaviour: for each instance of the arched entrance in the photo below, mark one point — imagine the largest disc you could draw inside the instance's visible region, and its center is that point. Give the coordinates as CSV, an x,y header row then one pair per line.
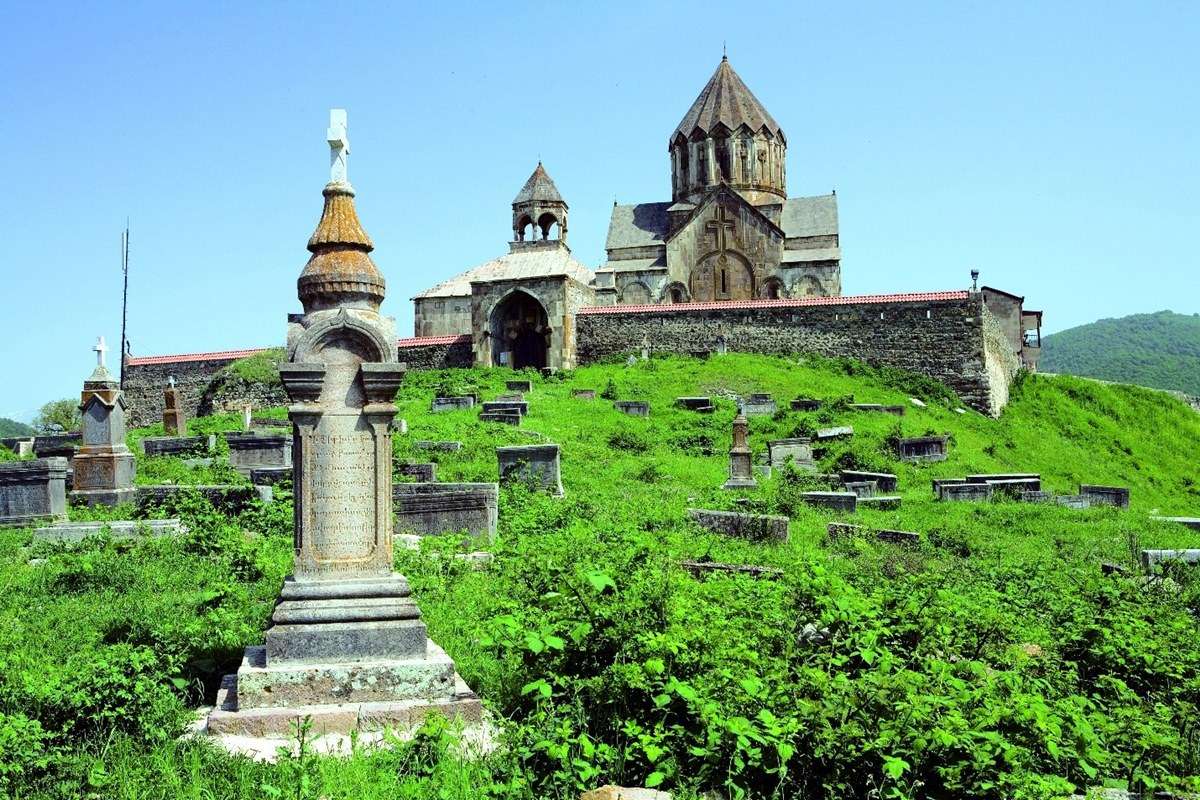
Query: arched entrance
x,y
520,332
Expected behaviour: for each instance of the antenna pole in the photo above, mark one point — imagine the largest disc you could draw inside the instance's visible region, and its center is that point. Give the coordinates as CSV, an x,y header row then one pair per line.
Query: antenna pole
x,y
124,299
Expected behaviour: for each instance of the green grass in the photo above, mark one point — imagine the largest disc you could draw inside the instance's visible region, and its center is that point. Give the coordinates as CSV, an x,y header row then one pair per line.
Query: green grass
x,y
992,661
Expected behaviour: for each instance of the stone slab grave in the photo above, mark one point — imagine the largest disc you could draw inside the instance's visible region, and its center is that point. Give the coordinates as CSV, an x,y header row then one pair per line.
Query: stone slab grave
x,y
754,527
1117,496
844,530
877,407
33,491
759,405
884,481
434,509
741,470
702,567
839,432
1152,558
701,405
270,476
519,386
861,489
60,444
632,408
251,449
227,497
922,448
441,447
519,406
1031,480
840,501
584,394
537,464
515,397
880,502
178,445
805,404
442,404
963,492
798,452
506,417
74,532
420,473
18,445
1191,522
346,647
1010,488
103,467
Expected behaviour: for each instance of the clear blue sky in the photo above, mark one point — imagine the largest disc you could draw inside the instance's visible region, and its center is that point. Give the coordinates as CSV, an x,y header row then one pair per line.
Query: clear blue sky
x,y
1052,145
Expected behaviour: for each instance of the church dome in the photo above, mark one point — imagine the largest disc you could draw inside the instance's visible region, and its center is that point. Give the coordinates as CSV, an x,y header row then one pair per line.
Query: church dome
x,y
728,136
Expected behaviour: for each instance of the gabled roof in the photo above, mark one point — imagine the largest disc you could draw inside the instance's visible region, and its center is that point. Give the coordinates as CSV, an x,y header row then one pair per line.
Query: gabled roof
x,y
639,225
726,100
810,216
523,264
713,196
539,189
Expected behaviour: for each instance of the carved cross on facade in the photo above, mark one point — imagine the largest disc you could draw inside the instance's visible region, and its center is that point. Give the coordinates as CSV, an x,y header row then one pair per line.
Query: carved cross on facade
x,y
339,146
719,227
101,348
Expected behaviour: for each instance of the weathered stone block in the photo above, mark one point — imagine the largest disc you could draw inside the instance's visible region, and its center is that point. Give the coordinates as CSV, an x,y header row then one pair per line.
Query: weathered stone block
x,y
57,445
963,492
805,404
445,508
633,408
504,417
31,491
441,404
519,406
840,501
798,451
72,532
270,476
1105,495
1013,488
861,489
1191,522
835,433
754,527
701,404
896,410
1032,480
884,481
178,445
519,386
445,447
1152,558
249,450
922,448
584,394
880,503
18,445
534,463
758,405
420,473
841,530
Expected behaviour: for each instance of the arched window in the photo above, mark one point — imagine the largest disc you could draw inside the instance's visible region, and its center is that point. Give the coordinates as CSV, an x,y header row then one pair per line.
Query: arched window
x,y
548,222
676,294
523,227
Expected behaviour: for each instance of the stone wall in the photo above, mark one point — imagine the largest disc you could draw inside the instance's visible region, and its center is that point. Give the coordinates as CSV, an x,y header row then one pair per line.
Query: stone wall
x,y
438,352
936,334
145,379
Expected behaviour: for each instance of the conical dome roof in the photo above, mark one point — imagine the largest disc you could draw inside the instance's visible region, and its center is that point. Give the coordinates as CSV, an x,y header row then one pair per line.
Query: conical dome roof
x,y
726,100
539,189
340,268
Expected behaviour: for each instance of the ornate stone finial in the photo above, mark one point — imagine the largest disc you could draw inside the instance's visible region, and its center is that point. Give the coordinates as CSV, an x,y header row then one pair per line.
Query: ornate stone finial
x,y
339,147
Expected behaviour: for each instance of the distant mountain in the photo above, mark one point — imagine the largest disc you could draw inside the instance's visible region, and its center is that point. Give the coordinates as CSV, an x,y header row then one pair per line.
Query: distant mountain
x,y
1161,350
10,427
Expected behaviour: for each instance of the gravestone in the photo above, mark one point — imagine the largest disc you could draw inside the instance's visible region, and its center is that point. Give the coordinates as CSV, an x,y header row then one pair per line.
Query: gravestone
x,y
861,489
247,416
177,445
1152,558
938,483
519,386
174,417
443,447
270,476
964,492
440,404
645,348
755,527
741,473
1105,495
508,417
420,473
532,463
1032,480
922,448
251,450
433,509
74,532
32,491
1013,488
843,530
721,345
840,432
18,445
885,481
347,648
798,451
519,406
633,408
1191,522
584,394
515,397
759,405
880,502
103,466
896,410
805,404
57,445
702,405
839,501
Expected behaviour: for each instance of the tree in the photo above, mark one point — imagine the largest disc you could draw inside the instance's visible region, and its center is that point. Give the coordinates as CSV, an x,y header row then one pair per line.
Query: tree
x,y
59,416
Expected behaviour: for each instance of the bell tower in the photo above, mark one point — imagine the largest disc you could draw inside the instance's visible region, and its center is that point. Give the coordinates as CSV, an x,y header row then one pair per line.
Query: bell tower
x,y
539,213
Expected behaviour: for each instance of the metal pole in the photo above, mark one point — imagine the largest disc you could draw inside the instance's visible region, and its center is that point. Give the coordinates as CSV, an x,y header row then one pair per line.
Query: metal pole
x,y
124,299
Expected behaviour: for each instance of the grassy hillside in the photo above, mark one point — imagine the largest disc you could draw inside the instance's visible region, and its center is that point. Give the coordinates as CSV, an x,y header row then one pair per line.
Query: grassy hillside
x,y
1160,350
992,661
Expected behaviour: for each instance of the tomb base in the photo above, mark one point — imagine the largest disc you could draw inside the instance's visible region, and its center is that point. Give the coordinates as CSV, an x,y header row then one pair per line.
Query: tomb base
x,y
103,497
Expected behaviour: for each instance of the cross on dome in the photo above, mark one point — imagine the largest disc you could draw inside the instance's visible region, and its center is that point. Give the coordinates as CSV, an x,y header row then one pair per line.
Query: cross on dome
x,y
338,137
101,348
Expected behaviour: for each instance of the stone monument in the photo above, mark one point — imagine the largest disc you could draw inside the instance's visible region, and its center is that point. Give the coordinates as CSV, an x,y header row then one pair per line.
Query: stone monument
x,y
174,418
104,466
741,471
347,647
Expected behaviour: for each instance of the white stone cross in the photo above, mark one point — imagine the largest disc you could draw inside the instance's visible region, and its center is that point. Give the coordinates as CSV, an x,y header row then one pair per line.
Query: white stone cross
x,y
171,381
339,145
101,348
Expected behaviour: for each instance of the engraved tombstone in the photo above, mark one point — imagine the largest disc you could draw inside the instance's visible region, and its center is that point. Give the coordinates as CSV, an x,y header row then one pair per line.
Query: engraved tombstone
x,y
741,472
174,418
104,466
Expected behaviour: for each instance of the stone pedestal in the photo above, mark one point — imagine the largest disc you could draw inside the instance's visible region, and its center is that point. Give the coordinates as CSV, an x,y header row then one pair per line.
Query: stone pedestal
x,y
174,418
741,471
103,466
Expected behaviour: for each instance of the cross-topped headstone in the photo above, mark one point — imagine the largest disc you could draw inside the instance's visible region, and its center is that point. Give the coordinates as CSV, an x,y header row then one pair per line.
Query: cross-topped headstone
x,y
101,348
171,381
339,145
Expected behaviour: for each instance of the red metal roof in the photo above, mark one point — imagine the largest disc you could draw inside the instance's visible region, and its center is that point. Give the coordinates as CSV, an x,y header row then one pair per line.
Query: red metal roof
x,y
862,299
234,355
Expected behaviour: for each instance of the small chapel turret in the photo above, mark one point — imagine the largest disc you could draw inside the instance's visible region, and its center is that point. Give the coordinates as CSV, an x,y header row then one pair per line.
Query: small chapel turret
x,y
539,212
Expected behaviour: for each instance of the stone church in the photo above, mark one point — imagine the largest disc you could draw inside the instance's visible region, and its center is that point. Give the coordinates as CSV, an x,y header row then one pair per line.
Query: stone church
x,y
729,233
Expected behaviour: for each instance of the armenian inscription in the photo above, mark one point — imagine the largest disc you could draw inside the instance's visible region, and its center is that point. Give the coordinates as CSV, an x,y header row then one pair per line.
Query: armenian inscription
x,y
342,503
